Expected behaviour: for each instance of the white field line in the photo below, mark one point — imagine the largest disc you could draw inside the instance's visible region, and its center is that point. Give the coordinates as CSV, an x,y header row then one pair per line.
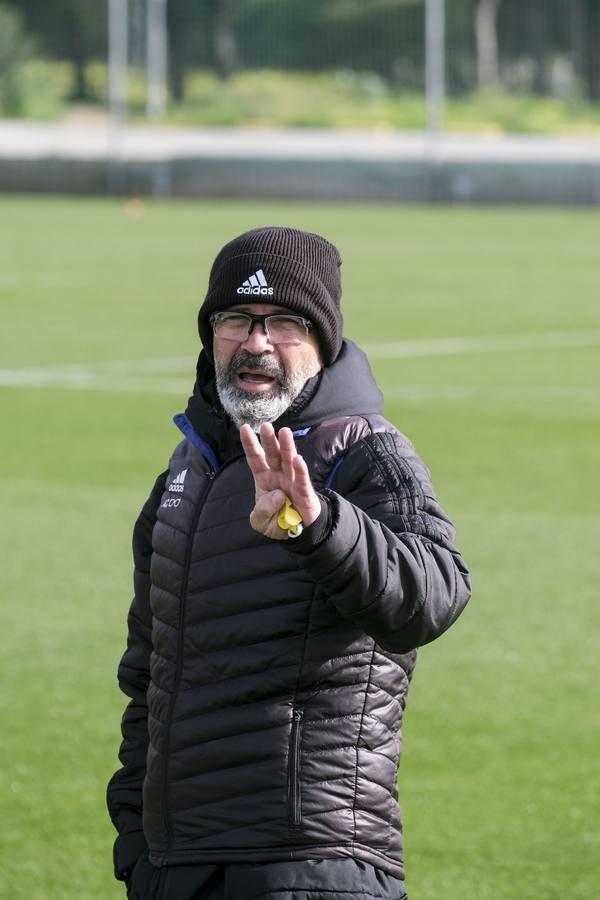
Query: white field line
x,y
549,340
511,394
159,375
514,395
182,387
80,375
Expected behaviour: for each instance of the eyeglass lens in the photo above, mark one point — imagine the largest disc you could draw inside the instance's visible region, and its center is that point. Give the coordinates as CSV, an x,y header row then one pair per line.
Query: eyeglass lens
x,y
280,329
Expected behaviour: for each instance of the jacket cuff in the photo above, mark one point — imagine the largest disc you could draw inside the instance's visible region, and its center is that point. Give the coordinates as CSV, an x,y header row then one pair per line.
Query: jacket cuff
x,y
126,851
316,533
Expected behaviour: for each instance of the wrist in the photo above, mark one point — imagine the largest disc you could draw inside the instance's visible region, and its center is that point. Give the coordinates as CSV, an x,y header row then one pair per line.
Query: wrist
x,y
314,533
314,513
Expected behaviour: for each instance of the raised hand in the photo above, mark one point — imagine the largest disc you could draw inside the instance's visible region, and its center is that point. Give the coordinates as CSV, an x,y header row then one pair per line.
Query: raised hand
x,y
278,471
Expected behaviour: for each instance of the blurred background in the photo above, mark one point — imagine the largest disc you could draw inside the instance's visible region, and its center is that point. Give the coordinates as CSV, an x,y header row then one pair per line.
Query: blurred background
x,y
510,66
452,152
423,97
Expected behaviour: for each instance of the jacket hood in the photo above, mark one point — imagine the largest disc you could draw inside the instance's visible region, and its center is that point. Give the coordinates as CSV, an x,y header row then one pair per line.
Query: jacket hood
x,y
346,387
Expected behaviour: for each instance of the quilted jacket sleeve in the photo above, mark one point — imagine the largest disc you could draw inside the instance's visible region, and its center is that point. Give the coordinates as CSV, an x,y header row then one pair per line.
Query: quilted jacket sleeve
x,y
124,792
383,547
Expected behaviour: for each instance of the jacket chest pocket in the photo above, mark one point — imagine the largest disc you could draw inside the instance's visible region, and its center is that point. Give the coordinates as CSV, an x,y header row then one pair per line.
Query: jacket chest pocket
x,y
294,784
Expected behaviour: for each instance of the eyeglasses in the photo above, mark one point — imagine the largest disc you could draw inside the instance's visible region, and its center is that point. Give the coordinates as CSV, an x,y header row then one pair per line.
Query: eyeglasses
x,y
279,327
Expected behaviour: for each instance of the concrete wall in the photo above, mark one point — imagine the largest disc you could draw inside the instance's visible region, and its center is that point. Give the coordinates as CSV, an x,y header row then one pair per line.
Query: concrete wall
x,y
304,165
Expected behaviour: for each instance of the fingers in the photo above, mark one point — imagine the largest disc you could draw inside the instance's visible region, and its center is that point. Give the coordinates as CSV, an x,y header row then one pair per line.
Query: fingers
x,y
275,463
270,444
303,489
305,498
255,454
279,471
287,448
270,452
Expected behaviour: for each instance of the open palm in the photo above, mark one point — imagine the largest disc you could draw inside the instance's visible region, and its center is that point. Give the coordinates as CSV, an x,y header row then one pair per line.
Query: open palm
x,y
279,472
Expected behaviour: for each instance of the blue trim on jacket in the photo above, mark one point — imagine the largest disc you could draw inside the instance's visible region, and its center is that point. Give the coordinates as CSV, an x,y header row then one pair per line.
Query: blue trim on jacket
x,y
186,427
329,479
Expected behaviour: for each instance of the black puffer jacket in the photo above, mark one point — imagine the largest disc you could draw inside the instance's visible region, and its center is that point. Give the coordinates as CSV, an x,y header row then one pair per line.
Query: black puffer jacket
x,y
268,678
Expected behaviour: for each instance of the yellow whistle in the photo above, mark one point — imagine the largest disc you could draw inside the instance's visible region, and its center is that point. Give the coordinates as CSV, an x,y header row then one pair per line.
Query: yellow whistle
x,y
290,519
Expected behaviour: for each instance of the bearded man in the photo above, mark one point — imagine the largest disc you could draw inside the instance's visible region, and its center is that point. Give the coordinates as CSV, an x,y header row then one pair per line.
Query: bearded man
x,y
288,563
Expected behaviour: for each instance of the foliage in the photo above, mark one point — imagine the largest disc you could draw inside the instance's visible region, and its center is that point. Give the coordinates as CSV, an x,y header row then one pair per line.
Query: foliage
x,y
502,113
383,36
57,24
351,63
29,87
67,30
345,98
15,49
269,98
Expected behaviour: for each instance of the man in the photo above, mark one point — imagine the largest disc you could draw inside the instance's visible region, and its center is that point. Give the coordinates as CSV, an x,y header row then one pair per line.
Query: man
x,y
268,659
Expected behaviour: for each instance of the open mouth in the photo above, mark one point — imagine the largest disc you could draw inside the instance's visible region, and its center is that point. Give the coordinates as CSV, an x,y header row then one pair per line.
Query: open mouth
x,y
255,381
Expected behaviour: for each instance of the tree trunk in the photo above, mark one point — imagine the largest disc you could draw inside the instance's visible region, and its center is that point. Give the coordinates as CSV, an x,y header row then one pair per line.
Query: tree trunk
x,y
538,34
577,34
177,69
77,54
178,27
592,60
224,43
486,36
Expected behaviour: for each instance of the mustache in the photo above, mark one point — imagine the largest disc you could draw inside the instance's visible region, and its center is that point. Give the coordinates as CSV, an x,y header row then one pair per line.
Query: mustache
x,y
243,360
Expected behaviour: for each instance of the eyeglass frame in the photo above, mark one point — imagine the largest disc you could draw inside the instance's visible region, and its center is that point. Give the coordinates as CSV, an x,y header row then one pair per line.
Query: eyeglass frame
x,y
253,318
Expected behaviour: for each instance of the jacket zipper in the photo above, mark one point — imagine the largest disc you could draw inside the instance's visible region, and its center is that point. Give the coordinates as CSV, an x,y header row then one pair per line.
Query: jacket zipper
x,y
294,770
179,658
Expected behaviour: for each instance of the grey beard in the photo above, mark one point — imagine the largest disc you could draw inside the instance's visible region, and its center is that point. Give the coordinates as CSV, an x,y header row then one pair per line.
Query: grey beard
x,y
246,408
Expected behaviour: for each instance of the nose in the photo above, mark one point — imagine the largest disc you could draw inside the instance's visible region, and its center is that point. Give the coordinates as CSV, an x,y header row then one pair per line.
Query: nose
x,y
257,341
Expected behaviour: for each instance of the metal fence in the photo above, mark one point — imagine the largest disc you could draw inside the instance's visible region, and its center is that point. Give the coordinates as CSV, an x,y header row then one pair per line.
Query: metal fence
x,y
387,49
531,48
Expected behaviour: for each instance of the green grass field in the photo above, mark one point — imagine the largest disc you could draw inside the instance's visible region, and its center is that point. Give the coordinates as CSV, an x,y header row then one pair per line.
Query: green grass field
x,y
500,778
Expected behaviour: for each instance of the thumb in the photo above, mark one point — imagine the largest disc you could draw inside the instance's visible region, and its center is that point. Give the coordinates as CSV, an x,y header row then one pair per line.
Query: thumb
x,y
272,501
263,517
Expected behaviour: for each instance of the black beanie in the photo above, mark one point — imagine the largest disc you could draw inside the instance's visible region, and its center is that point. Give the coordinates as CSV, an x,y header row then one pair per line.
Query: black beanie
x,y
283,267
